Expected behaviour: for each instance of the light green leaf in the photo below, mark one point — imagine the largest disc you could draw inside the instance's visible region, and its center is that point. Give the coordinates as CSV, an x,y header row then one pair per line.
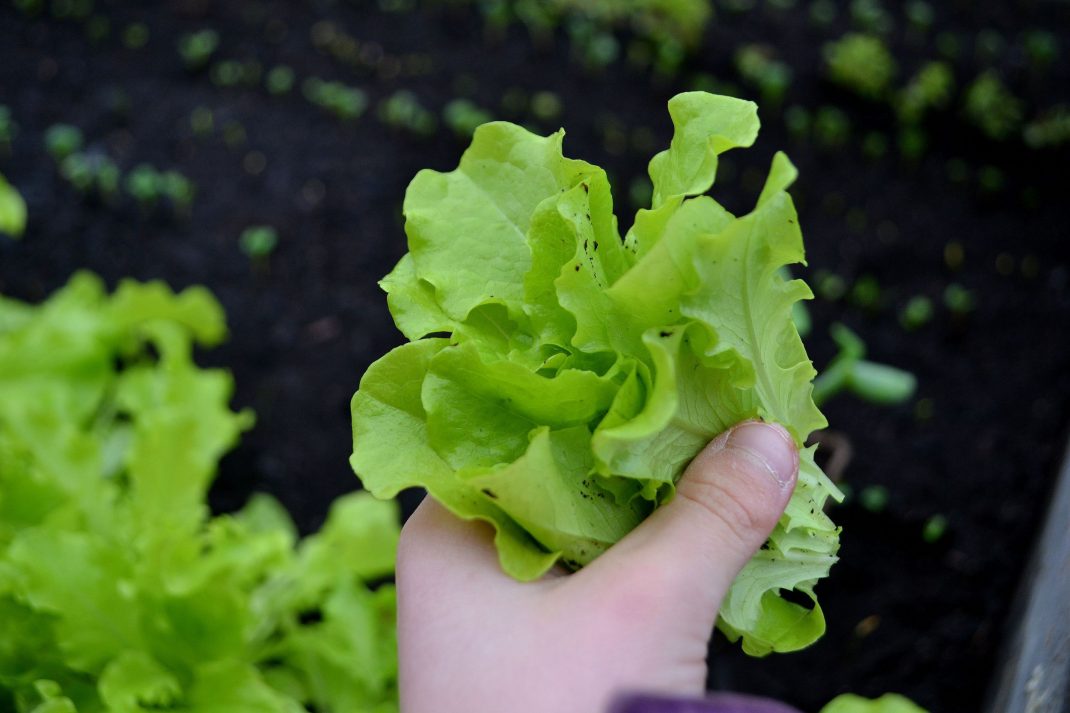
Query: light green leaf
x,y
888,703
12,210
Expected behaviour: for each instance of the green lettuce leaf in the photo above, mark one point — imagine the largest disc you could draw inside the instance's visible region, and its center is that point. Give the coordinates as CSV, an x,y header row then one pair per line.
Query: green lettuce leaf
x,y
888,703
118,590
581,371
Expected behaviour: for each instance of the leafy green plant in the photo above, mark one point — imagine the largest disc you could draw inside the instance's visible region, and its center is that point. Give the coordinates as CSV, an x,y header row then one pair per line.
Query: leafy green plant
x,y
259,241
849,372
118,591
584,369
280,80
463,117
12,210
197,48
931,88
344,102
61,140
758,67
8,128
402,110
991,107
860,63
1050,129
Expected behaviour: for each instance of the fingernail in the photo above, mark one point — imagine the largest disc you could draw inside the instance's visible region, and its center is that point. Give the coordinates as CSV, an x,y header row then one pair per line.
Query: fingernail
x,y
770,446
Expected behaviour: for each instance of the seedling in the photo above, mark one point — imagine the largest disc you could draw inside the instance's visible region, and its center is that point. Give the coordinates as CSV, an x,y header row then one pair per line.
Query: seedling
x,y
931,88
830,286
61,140
917,312
934,529
135,35
912,143
345,102
1041,48
462,116
832,128
143,185
758,67
920,15
280,80
8,128
874,498
849,372
958,299
871,16
861,63
1049,130
797,120
402,110
866,292
12,210
258,242
823,12
992,108
545,106
197,48
201,121
232,73
178,189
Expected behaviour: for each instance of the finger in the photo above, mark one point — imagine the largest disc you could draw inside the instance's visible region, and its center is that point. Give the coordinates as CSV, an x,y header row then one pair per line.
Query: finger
x,y
726,504
437,546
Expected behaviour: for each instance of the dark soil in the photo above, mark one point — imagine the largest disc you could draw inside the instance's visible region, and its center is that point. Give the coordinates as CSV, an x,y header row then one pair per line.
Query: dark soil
x,y
904,615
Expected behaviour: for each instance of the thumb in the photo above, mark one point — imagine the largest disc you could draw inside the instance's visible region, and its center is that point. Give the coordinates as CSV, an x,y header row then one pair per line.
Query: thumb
x,y
727,502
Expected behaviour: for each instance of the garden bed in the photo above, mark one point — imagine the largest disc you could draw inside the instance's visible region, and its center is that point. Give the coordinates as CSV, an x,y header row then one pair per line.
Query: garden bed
x,y
979,444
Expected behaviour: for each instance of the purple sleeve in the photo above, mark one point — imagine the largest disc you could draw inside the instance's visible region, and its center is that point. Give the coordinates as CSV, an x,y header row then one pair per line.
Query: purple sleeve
x,y
715,703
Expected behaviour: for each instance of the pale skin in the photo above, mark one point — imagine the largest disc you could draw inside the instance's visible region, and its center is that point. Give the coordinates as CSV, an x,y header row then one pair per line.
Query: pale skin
x,y
473,640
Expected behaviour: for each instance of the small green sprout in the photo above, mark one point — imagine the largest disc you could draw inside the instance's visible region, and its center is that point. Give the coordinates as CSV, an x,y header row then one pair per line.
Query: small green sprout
x,y
202,121
931,88
30,7
61,140
920,14
280,80
1041,48
545,106
934,529
178,189
1049,130
758,67
8,128
232,73
866,292
832,128
462,116
871,16
12,210
640,192
822,12
829,285
797,119
912,143
77,169
874,498
258,241
860,63
403,110
916,313
849,372
989,46
97,28
135,35
344,102
197,48
992,108
958,299
143,185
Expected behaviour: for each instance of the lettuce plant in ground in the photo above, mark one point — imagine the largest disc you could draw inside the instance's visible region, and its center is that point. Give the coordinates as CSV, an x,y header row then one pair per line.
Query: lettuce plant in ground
x,y
581,370
118,592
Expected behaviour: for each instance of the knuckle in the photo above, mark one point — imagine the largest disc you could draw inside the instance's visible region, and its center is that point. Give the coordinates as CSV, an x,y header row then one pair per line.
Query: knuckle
x,y
727,502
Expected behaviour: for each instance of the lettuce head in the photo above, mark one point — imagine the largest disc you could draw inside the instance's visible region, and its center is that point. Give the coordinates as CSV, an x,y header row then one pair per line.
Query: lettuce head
x,y
561,375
